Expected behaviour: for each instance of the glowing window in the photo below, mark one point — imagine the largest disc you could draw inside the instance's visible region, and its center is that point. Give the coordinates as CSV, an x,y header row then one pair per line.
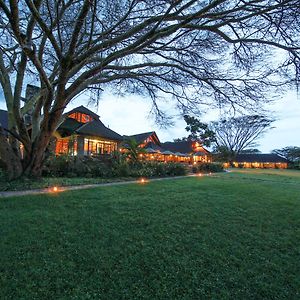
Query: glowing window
x,y
82,118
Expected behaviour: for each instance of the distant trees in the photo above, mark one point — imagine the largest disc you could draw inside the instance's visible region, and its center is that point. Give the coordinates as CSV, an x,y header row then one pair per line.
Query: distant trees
x,y
291,153
250,151
236,134
198,131
219,53
230,136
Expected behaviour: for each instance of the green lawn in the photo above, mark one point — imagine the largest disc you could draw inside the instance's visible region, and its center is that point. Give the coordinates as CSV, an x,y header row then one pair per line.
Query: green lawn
x,y
45,182
229,236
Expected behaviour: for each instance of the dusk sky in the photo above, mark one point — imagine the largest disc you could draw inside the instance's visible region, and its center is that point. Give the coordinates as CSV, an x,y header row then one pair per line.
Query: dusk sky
x,y
130,115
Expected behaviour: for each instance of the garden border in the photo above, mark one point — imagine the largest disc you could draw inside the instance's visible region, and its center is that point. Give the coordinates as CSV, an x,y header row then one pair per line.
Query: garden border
x,y
86,186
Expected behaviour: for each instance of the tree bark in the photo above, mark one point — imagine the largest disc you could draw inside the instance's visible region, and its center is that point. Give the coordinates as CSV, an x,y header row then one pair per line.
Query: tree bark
x,y
12,161
33,162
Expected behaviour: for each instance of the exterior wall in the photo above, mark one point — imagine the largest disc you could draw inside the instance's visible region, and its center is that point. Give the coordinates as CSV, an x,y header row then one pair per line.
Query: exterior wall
x,y
99,146
164,158
80,146
174,158
201,159
264,165
67,145
84,146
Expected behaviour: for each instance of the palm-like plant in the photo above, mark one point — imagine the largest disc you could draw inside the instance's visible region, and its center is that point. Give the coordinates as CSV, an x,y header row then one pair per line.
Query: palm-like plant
x,y
133,149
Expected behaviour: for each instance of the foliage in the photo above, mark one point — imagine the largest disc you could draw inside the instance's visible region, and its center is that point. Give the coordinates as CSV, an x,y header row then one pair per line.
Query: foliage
x,y
152,169
116,166
65,165
133,149
230,237
233,135
199,131
222,154
250,151
291,153
217,53
208,168
295,165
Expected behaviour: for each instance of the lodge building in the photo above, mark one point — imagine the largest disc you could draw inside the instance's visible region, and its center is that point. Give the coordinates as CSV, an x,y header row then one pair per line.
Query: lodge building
x,y
81,133
259,161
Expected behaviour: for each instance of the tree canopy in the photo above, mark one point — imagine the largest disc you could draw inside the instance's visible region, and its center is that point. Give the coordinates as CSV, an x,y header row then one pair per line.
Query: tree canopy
x,y
199,131
200,52
291,153
239,133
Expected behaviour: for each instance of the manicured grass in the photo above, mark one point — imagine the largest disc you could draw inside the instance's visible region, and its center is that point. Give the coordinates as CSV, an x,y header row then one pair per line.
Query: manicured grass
x,y
229,236
45,182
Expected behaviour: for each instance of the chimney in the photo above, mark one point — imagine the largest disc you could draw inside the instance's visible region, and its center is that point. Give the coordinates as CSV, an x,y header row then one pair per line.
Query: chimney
x,y
31,91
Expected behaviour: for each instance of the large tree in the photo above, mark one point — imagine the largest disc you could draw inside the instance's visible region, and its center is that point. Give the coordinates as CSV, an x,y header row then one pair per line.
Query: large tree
x,y
233,135
200,52
291,153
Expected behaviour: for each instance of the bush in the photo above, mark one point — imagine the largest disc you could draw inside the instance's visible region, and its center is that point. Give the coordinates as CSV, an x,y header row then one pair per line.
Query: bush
x,y
176,169
208,168
2,165
159,169
56,166
68,166
294,165
116,166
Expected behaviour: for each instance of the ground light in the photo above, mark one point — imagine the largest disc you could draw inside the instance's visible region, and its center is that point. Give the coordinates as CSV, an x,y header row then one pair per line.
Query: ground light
x,y
143,180
199,174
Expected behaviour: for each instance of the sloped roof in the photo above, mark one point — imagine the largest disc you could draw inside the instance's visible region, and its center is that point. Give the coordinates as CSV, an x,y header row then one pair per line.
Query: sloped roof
x,y
154,146
141,137
97,128
183,147
4,118
261,158
83,110
68,126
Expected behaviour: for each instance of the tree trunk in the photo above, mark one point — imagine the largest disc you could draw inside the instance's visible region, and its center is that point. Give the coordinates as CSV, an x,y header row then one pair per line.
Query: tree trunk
x,y
10,158
33,162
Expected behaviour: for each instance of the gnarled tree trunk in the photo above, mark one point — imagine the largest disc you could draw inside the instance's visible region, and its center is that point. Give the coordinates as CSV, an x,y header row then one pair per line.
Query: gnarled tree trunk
x,y
10,158
33,162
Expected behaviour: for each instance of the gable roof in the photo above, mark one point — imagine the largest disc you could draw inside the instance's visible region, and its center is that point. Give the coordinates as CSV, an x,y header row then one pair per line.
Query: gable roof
x,y
141,137
4,118
183,147
83,110
260,158
97,128
154,146
68,126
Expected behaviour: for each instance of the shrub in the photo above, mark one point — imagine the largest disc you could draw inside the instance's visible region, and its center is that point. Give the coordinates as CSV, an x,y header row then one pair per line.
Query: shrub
x,y
294,165
176,169
157,169
57,166
116,166
208,167
121,170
